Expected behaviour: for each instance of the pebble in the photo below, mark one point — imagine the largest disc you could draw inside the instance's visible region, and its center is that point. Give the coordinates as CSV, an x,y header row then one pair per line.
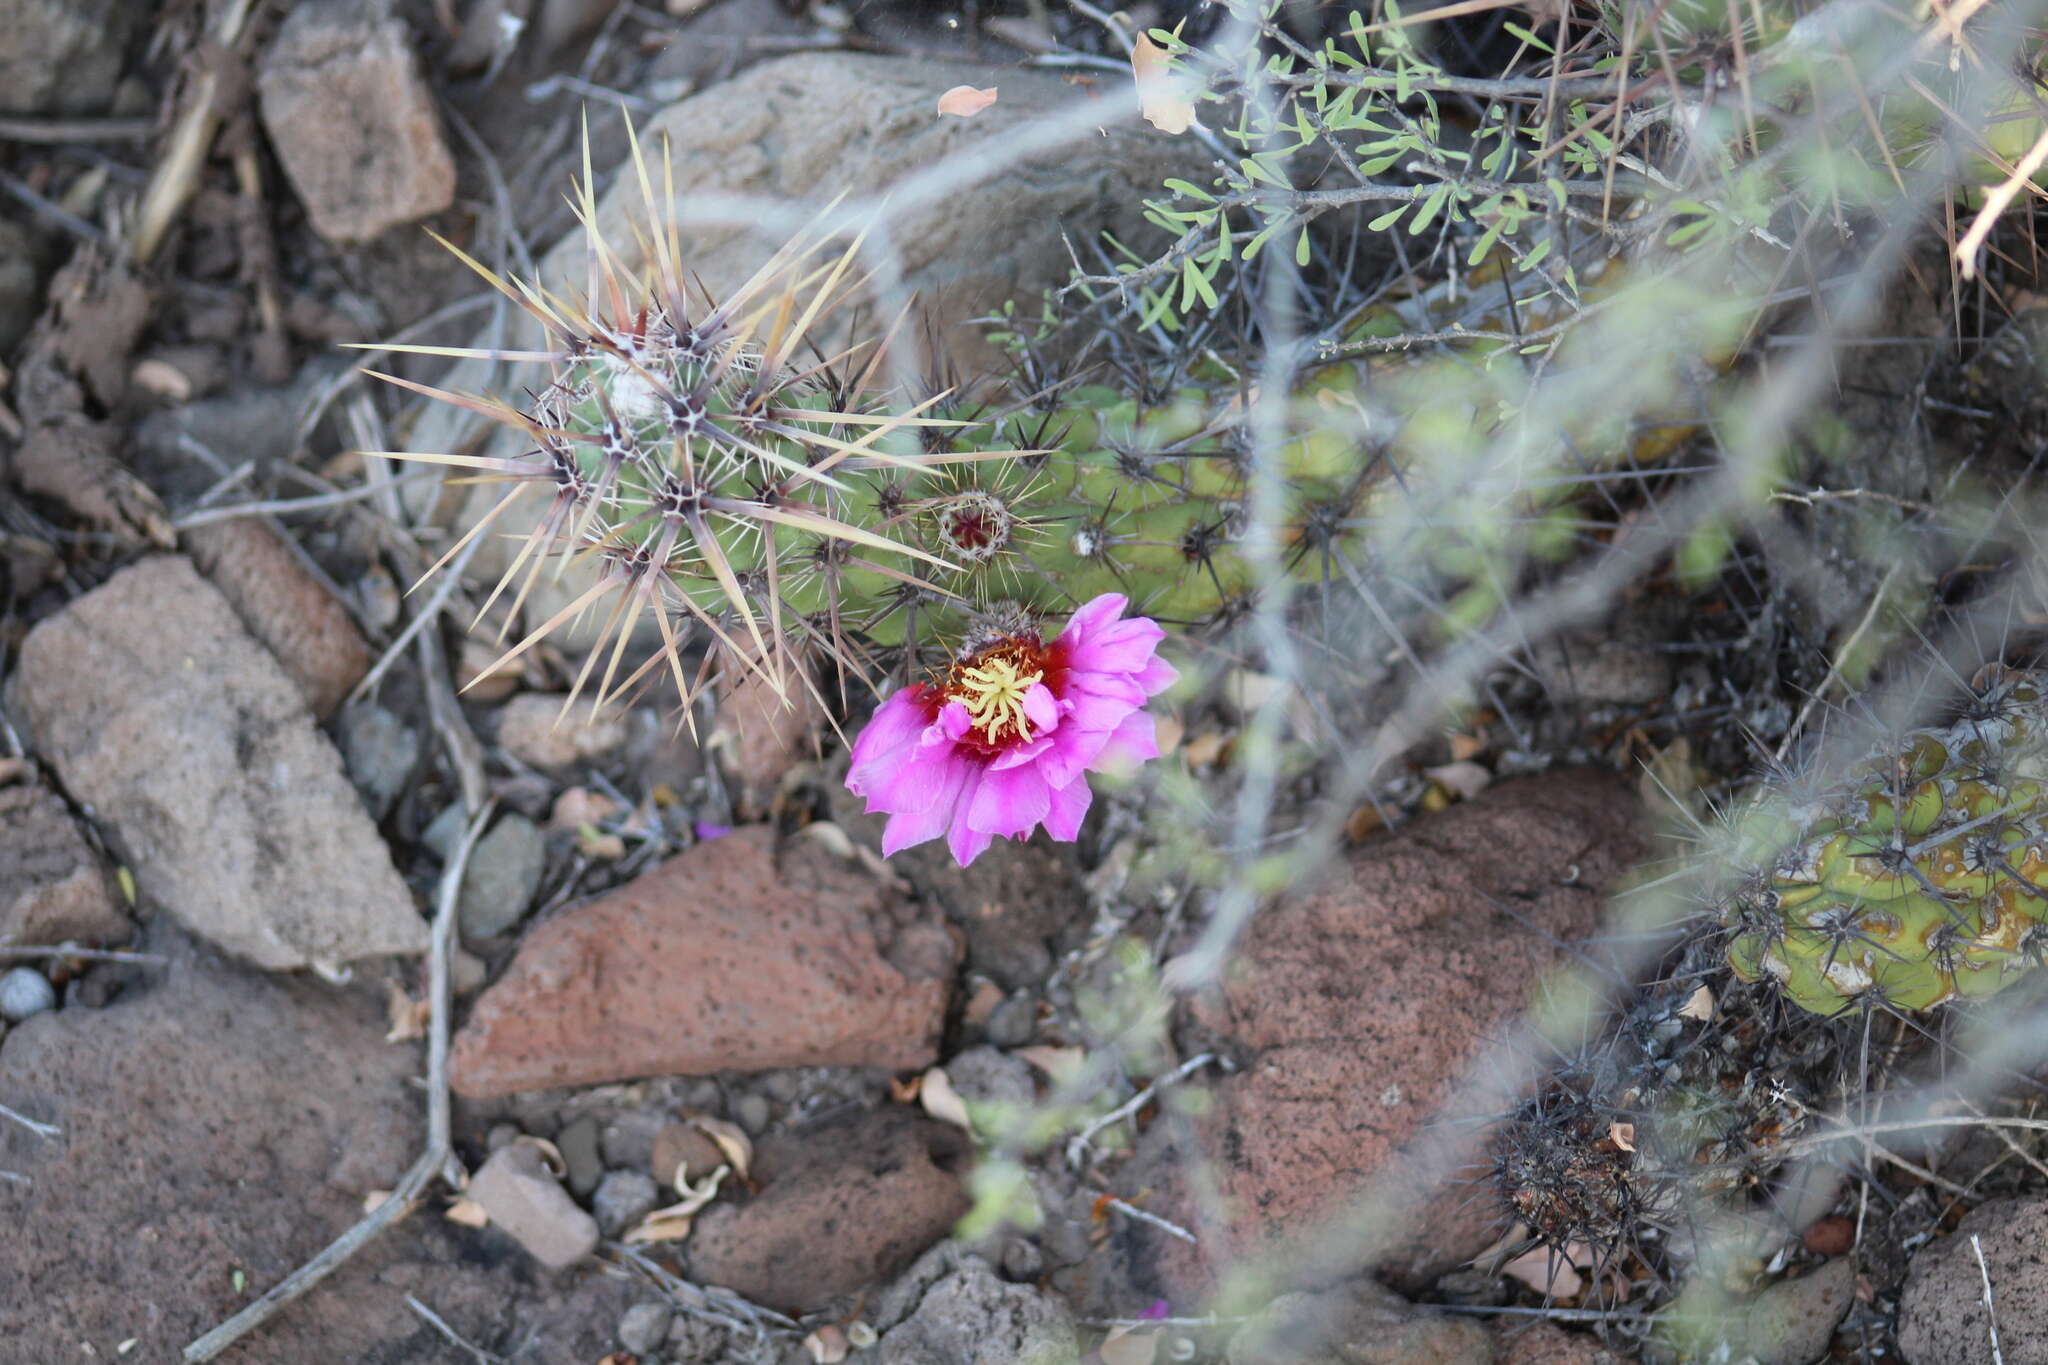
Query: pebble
x,y
644,1327
525,1201
24,992
534,730
623,1198
627,1140
578,1144
504,871
380,751
1023,1262
751,1112
1014,1022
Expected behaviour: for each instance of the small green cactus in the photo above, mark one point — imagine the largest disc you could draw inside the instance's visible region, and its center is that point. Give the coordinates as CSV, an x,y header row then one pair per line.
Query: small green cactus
x,y
1921,877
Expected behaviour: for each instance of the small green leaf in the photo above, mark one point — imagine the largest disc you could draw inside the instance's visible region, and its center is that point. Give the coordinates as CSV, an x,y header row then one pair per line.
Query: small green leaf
x,y
1526,36
1387,219
1183,187
1301,249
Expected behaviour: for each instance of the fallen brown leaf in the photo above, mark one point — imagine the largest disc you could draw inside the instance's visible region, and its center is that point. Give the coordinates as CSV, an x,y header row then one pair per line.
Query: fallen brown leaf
x,y
1160,96
964,101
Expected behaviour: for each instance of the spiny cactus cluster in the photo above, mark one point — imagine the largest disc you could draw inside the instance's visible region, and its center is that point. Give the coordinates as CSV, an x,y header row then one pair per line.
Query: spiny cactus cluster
x,y
722,474
1919,877
1684,1106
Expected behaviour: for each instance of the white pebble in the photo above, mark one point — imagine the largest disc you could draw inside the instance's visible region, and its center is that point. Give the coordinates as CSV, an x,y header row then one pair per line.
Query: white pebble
x,y
24,992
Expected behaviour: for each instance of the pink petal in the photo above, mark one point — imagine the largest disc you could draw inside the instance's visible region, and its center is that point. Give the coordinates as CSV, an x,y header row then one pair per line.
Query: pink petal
x,y
1124,647
1156,676
955,720
966,844
1009,801
1134,741
908,825
1041,708
887,740
1092,616
1069,805
1074,755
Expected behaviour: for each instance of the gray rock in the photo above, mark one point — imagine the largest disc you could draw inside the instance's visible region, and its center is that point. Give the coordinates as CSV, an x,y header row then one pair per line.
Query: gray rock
x,y
752,1111
1360,1323
1792,1322
972,1316
381,751
198,758
524,1200
504,871
24,993
352,121
577,1143
644,1327
1022,1260
536,729
1942,1320
62,56
627,1140
1014,1022
54,886
985,1076
622,1199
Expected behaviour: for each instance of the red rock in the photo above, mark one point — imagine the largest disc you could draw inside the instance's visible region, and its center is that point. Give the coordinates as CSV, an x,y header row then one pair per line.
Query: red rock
x,y
285,607
1355,1009
839,1208
730,957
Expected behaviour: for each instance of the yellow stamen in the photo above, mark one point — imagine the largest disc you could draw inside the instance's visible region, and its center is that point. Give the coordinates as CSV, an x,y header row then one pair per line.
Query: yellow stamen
x,y
993,693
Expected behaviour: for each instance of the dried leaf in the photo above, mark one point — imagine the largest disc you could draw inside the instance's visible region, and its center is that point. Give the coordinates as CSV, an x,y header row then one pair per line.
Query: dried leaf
x,y
695,1195
406,1016
1546,1272
942,1101
732,1140
1129,1346
163,379
1466,779
1622,1135
861,1335
1699,1005
550,1155
659,1226
964,101
372,1198
1467,746
1161,98
828,1345
579,806
905,1092
467,1212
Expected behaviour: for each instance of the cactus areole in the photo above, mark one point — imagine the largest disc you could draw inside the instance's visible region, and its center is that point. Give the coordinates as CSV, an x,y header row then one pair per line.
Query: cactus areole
x,y
1920,878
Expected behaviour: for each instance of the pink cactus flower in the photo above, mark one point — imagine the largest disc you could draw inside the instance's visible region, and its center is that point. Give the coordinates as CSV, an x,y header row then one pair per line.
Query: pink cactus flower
x,y
1005,741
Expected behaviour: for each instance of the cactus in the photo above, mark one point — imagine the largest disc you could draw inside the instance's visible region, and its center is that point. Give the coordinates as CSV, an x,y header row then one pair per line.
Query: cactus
x,y
726,479
1915,880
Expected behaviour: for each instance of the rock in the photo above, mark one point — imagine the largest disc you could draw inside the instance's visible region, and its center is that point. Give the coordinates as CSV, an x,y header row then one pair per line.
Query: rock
x,y
997,234
381,751
504,871
285,606
623,1198
1942,1319
727,957
752,1111
644,1327
197,756
216,1119
982,1075
761,736
972,1316
534,730
577,1143
24,993
1362,1323
528,1204
627,1140
838,1208
1014,1022
1532,1341
1792,1322
54,886
685,1145
1354,1008
62,56
352,121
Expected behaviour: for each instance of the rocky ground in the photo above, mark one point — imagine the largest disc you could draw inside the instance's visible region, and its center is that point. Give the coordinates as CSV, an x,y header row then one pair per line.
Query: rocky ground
x,y
724,1083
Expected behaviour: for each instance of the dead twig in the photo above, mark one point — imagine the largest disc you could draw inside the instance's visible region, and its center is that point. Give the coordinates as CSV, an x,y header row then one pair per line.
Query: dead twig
x,y
177,171
413,1187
